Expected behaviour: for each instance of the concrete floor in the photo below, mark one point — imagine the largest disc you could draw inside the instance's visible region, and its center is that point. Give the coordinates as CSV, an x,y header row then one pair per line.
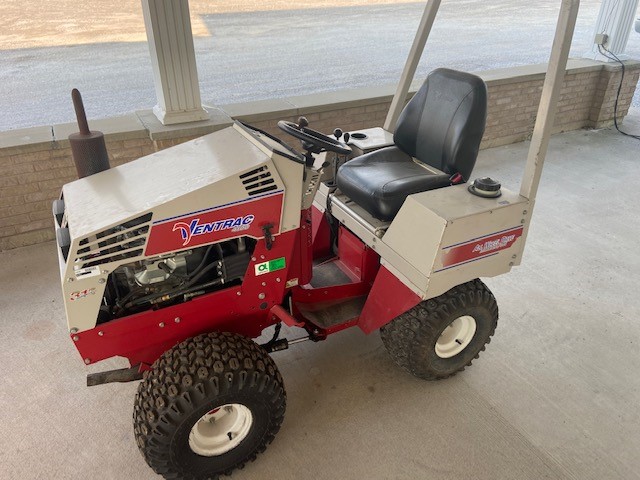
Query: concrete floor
x,y
555,395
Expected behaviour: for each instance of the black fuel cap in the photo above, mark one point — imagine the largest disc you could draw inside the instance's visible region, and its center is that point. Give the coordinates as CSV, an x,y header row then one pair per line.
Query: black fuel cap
x,y
485,187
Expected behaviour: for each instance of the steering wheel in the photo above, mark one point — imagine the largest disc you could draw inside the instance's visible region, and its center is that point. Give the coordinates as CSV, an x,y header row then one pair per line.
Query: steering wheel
x,y
312,138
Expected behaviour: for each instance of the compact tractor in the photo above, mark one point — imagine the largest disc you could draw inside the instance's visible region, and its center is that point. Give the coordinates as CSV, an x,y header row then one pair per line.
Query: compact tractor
x,y
176,261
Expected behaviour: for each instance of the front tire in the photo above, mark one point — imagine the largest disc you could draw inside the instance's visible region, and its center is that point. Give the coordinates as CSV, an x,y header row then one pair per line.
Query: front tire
x,y
208,406
441,336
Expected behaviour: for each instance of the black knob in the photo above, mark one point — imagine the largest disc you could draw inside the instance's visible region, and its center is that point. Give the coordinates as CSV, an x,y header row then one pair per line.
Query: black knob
x,y
485,187
337,133
303,122
486,184
346,137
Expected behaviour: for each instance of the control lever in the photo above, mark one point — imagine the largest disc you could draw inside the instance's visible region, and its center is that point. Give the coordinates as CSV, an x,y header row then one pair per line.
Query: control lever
x,y
336,162
302,122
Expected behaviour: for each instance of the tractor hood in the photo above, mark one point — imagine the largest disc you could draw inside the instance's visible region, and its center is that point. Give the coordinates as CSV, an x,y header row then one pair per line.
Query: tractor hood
x,y
106,198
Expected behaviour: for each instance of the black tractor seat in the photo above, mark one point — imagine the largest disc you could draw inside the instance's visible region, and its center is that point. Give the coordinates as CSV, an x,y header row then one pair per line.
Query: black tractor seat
x,y
440,127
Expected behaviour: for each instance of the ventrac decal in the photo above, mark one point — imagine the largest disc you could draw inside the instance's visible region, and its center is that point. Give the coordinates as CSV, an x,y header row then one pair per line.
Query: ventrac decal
x,y
244,217
195,228
479,248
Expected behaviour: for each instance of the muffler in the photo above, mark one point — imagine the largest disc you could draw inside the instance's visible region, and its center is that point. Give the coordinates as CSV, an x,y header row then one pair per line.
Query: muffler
x,y
87,148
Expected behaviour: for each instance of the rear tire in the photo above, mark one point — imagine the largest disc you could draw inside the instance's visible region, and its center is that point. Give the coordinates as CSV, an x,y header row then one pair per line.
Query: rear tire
x,y
441,336
219,395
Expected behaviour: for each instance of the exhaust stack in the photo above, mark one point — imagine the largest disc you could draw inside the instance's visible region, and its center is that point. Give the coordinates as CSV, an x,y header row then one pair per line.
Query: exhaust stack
x,y
87,148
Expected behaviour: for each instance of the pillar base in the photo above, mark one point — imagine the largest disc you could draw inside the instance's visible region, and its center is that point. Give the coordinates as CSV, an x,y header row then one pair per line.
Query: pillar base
x,y
171,118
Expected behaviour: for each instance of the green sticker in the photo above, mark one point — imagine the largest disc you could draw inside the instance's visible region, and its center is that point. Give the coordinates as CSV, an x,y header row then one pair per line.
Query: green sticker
x,y
270,266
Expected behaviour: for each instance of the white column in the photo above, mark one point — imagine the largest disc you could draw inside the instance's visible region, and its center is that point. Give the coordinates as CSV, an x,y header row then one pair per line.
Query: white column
x,y
615,20
173,60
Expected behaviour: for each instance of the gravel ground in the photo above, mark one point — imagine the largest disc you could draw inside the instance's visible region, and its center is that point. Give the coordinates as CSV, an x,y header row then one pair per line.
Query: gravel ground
x,y
248,55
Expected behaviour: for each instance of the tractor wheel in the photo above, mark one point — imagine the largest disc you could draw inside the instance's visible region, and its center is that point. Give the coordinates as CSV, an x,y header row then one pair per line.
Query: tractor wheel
x,y
439,337
208,406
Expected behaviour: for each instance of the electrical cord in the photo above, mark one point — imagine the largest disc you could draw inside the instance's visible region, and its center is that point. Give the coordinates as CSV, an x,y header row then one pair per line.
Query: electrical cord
x,y
612,56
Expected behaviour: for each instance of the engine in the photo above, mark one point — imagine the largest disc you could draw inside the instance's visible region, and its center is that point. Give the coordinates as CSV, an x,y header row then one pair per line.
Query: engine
x,y
170,279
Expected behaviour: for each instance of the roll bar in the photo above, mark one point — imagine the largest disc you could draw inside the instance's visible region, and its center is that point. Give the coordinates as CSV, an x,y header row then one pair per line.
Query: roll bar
x,y
424,29
550,91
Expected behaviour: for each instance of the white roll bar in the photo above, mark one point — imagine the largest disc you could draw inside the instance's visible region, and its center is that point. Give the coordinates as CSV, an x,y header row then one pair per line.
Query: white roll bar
x,y
424,29
548,102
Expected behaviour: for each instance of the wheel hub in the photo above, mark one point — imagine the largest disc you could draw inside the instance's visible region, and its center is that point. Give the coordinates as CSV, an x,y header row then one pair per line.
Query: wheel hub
x,y
220,430
455,337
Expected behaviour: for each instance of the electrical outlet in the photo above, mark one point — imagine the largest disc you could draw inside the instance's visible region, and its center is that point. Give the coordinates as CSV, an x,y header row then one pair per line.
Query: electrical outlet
x,y
601,38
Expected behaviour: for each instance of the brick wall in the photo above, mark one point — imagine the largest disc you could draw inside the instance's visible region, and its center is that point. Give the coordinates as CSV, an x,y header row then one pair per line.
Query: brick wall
x,y
36,162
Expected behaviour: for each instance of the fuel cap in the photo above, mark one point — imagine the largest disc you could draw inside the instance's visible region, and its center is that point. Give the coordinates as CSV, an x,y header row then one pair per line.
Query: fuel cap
x,y
485,187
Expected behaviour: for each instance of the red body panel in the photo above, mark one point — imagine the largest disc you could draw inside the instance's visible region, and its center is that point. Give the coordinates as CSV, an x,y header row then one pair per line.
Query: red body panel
x,y
360,261
321,234
261,300
144,336
388,298
244,218
305,247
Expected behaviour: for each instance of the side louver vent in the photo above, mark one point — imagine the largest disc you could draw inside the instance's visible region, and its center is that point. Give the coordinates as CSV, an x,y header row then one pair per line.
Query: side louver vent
x,y
310,188
258,181
114,244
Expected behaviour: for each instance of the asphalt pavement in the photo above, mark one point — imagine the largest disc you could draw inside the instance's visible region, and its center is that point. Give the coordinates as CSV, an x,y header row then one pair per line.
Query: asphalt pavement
x,y
270,54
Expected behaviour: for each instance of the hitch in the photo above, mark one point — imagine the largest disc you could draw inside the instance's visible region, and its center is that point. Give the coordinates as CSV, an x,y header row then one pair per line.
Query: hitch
x,y
282,344
121,375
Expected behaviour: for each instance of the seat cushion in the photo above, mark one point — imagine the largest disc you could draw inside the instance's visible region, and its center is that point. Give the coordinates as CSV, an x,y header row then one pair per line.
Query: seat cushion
x,y
380,181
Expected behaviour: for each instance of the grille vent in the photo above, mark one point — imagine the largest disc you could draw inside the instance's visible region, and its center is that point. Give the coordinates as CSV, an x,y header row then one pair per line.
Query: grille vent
x,y
114,244
258,181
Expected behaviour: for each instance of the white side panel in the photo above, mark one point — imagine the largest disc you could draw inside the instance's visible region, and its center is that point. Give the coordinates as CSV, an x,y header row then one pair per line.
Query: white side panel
x,y
106,198
489,243
291,174
449,236
416,234
82,299
223,192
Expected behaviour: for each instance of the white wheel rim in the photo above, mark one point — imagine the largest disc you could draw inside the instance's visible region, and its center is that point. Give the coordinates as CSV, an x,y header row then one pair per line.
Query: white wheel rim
x,y
456,336
220,430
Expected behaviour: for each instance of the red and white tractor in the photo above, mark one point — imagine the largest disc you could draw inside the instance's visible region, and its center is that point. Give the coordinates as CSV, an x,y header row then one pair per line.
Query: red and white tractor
x,y
176,261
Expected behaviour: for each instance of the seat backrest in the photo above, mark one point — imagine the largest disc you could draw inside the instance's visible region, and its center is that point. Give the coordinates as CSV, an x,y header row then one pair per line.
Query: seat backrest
x,y
444,122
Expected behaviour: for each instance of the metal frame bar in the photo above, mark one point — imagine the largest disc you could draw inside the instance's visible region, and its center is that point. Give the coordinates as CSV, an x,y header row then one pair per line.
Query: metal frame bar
x,y
424,29
548,102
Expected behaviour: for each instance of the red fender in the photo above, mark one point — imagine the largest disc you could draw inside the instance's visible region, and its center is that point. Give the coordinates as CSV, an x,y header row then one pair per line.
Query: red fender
x,y
388,298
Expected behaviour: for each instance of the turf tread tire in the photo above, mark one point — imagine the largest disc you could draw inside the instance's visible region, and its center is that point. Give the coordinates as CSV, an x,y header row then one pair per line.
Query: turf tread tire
x,y
410,338
187,381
